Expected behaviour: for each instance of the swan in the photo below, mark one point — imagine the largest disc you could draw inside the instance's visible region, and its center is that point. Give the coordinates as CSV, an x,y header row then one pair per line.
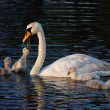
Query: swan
x,y
97,84
76,66
7,66
21,64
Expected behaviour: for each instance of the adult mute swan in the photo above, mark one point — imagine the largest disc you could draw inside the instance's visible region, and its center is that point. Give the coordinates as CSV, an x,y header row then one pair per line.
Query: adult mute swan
x,y
21,64
7,66
76,66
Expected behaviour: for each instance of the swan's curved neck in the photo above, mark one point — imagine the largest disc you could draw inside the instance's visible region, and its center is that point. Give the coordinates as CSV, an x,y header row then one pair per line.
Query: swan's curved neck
x,y
41,53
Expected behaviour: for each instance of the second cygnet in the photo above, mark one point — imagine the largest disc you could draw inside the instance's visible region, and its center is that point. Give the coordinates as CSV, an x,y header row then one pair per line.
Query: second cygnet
x,y
21,64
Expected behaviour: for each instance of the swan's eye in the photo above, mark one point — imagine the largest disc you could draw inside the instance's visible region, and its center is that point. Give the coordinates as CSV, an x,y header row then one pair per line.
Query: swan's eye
x,y
29,29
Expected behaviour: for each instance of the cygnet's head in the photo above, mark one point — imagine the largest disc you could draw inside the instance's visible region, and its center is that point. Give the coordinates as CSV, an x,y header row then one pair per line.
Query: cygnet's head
x,y
32,28
7,61
25,51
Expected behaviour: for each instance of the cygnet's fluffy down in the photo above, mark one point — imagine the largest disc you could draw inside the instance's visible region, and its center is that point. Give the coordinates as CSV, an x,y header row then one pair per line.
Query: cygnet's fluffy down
x,y
7,66
21,64
97,84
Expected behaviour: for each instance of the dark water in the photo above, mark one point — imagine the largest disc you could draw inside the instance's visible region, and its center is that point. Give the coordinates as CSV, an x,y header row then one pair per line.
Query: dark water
x,y
71,26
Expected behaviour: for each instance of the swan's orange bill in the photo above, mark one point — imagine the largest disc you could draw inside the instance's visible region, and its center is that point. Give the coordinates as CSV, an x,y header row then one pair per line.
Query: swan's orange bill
x,y
26,36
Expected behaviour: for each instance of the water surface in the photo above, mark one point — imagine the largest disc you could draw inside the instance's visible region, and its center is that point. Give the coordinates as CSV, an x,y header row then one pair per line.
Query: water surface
x,y
70,27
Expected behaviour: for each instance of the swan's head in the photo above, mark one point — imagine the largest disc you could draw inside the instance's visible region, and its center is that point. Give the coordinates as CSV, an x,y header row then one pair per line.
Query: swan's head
x,y
7,61
32,28
25,51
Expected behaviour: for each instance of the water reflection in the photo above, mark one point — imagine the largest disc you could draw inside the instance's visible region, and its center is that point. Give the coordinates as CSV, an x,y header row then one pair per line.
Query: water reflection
x,y
58,93
71,26
49,93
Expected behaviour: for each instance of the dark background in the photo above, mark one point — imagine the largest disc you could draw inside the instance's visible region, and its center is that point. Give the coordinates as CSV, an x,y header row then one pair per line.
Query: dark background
x,y
66,22
70,26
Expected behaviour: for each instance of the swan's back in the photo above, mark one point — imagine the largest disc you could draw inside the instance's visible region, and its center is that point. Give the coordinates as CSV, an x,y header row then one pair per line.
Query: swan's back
x,y
80,63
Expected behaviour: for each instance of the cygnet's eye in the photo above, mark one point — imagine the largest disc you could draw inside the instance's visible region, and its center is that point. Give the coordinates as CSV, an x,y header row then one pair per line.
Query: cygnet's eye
x,y
9,59
24,49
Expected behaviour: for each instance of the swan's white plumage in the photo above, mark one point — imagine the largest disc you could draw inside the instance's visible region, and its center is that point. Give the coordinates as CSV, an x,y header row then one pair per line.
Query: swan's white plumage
x,y
74,66
81,64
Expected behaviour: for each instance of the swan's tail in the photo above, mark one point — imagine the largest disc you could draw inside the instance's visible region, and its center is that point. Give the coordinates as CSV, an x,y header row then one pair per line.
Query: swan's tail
x,y
102,73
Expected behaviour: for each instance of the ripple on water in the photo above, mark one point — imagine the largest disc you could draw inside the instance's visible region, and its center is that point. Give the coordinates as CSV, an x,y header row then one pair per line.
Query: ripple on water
x,y
70,27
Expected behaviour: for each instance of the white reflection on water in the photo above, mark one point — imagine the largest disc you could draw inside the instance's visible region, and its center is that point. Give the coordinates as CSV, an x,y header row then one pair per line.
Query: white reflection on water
x,y
71,26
